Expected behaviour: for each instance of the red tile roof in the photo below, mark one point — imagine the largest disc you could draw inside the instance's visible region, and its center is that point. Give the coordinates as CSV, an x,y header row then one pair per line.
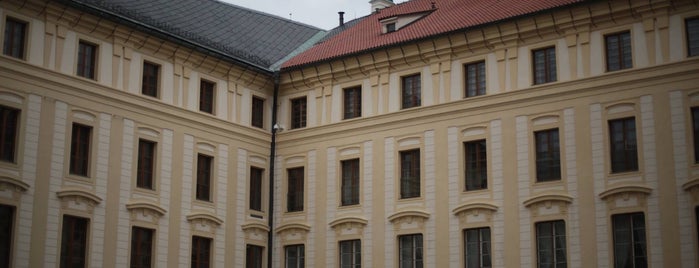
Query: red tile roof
x,y
449,15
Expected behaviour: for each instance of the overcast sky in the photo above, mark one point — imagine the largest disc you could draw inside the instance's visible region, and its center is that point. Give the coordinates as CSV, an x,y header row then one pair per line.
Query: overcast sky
x,y
318,13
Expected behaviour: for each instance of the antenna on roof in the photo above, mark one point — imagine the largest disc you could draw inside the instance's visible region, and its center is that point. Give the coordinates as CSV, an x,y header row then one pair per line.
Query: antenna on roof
x,y
289,15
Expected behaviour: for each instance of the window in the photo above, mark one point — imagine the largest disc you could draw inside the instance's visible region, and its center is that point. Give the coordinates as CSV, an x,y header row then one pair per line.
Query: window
x,y
410,248
475,79
201,252
692,27
253,256
15,38
87,55
256,188
258,105
622,138
298,112
204,177
544,65
294,256
476,165
390,27
7,219
80,149
477,247
629,240
351,254
695,132
206,96
353,102
9,120
548,155
410,174
73,241
151,76
294,191
551,244
411,91
350,182
618,51
141,247
146,164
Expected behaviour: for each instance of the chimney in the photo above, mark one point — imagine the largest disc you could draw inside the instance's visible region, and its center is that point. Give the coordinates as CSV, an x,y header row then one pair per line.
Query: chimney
x,y
342,17
380,4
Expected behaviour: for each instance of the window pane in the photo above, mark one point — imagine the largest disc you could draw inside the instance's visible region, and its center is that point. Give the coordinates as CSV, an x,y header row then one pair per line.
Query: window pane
x,y
548,162
80,149
350,253
476,166
203,191
256,188
149,84
298,113
7,219
629,240
350,182
352,102
201,252
475,79
73,241
257,112
410,174
544,61
411,93
206,96
9,120
15,36
253,256
141,247
295,189
146,164
692,28
551,244
618,51
622,135
87,54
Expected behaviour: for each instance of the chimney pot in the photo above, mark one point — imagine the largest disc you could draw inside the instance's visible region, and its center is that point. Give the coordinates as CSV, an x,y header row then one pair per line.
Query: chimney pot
x,y
342,17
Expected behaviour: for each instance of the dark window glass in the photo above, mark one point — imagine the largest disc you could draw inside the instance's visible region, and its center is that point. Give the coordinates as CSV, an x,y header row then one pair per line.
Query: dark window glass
x,y
618,51
87,55
410,174
695,132
410,251
15,38
477,247
80,149
151,77
204,163
622,138
353,102
551,244
73,242
294,193
696,220
544,65
350,182
475,79
629,240
411,91
258,106
476,165
390,27
141,247
201,252
7,219
294,256
206,96
256,188
548,155
253,256
350,254
9,120
298,112
146,164
692,27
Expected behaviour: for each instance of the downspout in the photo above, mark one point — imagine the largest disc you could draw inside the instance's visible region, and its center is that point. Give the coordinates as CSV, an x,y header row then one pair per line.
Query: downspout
x,y
272,149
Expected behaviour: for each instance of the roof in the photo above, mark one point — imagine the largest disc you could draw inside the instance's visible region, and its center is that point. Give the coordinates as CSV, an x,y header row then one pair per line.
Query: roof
x,y
447,16
247,36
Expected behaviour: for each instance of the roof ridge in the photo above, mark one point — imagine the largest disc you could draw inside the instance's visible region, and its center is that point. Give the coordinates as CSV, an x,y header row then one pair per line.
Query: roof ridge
x,y
268,15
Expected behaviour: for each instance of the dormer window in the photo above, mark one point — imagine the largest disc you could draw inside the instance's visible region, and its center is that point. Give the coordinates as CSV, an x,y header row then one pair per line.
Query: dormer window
x,y
397,22
390,27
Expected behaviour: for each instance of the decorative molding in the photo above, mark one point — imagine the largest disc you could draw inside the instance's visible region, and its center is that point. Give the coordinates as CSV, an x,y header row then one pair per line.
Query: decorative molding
x,y
293,232
146,211
548,204
348,220
348,225
475,211
255,230
203,217
293,225
78,199
548,198
625,189
252,226
13,183
692,186
624,196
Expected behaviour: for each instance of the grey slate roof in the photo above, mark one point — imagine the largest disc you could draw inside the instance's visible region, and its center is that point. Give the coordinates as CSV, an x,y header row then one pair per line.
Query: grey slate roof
x,y
247,36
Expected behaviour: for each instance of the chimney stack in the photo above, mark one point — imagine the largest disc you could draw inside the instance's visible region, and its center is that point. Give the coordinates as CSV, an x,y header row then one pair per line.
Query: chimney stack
x,y
342,17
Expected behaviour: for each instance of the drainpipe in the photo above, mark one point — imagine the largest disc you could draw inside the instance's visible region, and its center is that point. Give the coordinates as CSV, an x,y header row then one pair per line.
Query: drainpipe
x,y
272,148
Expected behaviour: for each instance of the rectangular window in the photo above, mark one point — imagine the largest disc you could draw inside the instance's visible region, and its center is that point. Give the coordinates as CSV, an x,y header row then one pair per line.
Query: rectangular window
x,y
9,120
298,113
253,256
206,96
87,56
80,149
544,65
151,77
294,191
695,132
410,174
7,219
256,188
477,247
410,251
15,38
692,28
73,241
411,91
629,240
350,182
548,155
618,51
294,256
141,247
351,254
204,163
551,244
201,252
258,111
353,102
475,79
476,165
622,139
146,164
